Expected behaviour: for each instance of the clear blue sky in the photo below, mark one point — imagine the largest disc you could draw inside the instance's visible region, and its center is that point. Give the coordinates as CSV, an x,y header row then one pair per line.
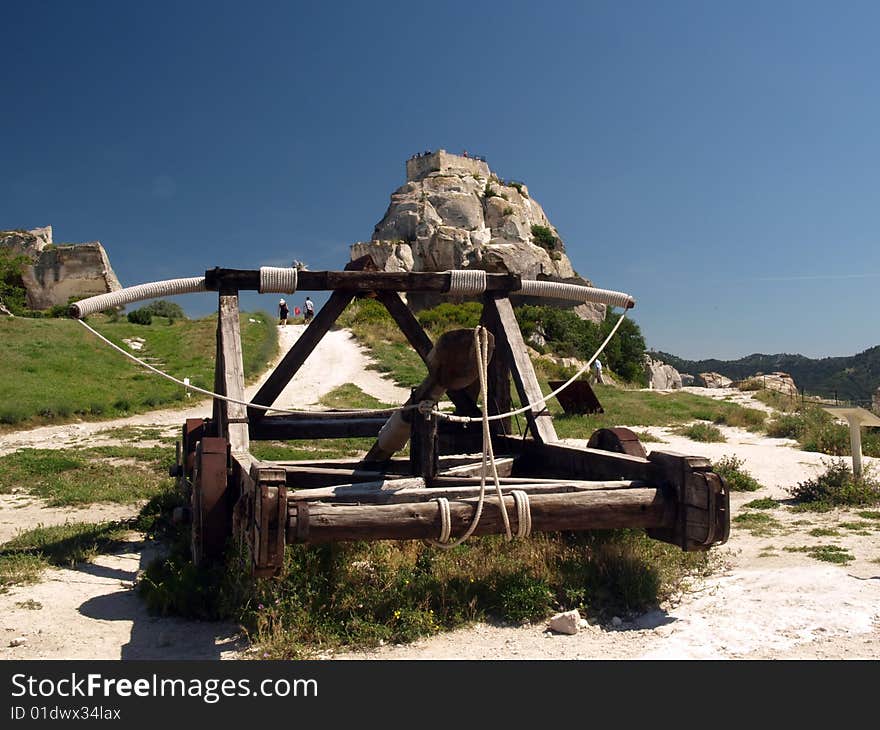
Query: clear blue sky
x,y
719,161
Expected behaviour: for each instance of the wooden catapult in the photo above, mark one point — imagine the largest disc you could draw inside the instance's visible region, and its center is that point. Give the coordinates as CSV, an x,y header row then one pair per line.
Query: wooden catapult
x,y
612,483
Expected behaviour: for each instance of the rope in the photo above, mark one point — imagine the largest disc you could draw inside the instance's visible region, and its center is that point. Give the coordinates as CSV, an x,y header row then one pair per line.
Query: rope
x,y
523,512
445,519
210,393
153,290
576,293
277,280
464,282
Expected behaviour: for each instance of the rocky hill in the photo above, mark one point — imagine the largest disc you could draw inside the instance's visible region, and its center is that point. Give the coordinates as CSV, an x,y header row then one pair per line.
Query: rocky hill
x,y
453,212
852,378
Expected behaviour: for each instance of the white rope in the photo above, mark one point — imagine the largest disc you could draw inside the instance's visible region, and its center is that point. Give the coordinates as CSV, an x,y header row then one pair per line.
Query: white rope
x,y
542,401
481,345
139,293
210,393
576,293
523,512
465,282
277,280
445,520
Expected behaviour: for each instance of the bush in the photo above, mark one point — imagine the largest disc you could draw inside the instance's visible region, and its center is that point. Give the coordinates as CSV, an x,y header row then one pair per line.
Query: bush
x,y
730,468
837,487
702,432
12,291
164,308
447,316
542,236
140,316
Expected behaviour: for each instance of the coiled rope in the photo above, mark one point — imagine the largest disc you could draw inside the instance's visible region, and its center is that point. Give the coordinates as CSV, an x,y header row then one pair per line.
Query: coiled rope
x,y
465,282
153,290
277,280
575,293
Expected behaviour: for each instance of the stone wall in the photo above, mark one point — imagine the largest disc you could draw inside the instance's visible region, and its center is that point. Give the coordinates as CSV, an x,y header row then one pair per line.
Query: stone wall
x,y
443,161
71,270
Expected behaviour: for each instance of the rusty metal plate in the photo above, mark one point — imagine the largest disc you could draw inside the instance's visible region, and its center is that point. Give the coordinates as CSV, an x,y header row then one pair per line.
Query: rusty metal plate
x,y
619,440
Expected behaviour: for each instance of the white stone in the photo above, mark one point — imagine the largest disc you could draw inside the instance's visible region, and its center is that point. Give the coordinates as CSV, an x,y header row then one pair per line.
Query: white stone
x,y
567,622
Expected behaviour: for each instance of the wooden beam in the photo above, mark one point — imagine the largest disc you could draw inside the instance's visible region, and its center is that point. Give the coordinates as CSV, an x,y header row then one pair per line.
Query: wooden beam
x,y
499,373
218,278
284,428
234,415
509,338
587,510
296,356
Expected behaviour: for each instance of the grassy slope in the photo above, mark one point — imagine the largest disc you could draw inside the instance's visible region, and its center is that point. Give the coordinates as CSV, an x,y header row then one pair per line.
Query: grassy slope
x,y
54,370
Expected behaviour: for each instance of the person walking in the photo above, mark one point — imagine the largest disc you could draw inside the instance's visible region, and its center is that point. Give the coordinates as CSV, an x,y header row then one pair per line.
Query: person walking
x,y
308,310
283,312
597,366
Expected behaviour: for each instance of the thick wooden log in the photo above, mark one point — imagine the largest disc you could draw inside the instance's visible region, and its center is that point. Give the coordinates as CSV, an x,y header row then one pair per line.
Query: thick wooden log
x,y
560,460
498,373
309,477
284,428
503,464
590,510
510,340
248,279
399,491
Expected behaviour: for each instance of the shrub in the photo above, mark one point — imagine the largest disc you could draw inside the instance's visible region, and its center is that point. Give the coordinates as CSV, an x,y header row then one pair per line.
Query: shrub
x,y
448,316
140,316
507,211
837,486
702,432
489,191
164,308
542,236
730,468
12,291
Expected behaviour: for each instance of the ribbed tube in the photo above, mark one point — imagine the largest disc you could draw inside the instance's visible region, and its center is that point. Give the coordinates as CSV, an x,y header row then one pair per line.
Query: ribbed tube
x,y
576,293
467,281
277,280
138,293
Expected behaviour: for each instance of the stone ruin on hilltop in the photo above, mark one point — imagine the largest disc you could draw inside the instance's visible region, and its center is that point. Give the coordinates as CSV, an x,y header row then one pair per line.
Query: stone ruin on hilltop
x,y
58,272
453,212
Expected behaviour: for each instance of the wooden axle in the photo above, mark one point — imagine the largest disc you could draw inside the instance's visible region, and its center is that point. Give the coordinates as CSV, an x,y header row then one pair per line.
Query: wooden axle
x,y
600,509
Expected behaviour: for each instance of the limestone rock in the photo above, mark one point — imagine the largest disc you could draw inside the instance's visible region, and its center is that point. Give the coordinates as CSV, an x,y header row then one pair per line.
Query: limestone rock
x,y
778,381
454,213
686,379
568,622
713,380
661,376
60,271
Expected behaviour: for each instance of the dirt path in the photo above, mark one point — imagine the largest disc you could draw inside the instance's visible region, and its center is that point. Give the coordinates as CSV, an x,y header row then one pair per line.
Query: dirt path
x,y
766,602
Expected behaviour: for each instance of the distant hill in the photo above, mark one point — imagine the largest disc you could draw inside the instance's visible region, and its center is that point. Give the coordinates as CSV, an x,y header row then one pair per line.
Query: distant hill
x,y
851,378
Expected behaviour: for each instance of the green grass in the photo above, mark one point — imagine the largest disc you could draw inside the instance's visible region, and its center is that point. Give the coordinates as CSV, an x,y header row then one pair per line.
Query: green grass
x,y
705,432
869,515
730,468
122,474
764,503
23,559
824,532
360,594
55,371
351,396
757,523
825,553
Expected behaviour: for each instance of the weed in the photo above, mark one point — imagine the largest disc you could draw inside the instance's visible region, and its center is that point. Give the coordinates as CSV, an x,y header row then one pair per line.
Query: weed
x,y
702,432
837,487
869,515
730,468
825,553
764,503
757,523
30,605
824,532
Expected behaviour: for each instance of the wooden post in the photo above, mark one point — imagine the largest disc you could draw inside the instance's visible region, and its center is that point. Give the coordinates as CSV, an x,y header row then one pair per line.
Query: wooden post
x,y
424,456
499,372
232,416
509,339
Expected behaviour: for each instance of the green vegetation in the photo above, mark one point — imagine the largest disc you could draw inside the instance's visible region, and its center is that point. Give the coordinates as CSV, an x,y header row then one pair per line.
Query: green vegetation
x,y
816,430
869,515
12,292
24,558
837,487
54,370
730,468
824,532
350,396
702,432
763,503
757,523
358,594
542,236
140,316
84,476
825,553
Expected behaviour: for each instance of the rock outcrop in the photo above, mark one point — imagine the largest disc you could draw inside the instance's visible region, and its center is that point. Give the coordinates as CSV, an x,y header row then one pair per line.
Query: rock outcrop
x,y
713,380
454,213
875,402
686,379
661,376
60,271
779,381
